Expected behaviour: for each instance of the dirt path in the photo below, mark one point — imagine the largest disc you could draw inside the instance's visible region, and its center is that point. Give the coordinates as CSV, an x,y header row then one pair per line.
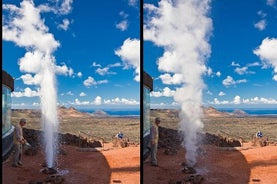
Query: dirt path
x,y
249,165
108,165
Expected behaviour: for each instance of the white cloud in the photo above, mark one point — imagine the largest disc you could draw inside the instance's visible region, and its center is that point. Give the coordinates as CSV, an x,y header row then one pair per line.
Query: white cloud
x,y
94,64
123,14
62,7
82,94
236,100
132,2
248,101
31,62
97,101
235,64
168,79
28,79
104,71
123,25
261,13
90,81
167,92
129,53
64,70
221,93
218,74
260,25
78,102
70,93
209,92
28,92
79,74
230,81
267,52
27,29
242,70
122,101
64,25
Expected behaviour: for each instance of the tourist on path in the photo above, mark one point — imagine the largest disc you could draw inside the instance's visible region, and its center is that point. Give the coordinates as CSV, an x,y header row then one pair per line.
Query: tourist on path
x,y
18,141
154,137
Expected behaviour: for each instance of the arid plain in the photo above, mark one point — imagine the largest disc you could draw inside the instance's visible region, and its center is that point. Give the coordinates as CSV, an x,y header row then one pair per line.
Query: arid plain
x,y
247,164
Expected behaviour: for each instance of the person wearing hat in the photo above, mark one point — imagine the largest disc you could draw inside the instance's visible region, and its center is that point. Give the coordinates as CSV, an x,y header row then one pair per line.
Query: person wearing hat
x,y
18,141
154,137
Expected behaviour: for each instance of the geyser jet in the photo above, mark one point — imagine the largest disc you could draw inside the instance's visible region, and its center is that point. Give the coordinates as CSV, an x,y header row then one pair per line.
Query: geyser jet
x,y
25,27
182,28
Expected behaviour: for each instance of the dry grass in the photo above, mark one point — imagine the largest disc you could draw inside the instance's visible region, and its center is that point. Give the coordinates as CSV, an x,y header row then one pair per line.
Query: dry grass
x,y
238,127
105,127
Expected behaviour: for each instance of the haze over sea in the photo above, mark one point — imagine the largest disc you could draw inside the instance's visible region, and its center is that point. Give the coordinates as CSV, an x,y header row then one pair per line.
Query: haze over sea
x,y
115,112
253,111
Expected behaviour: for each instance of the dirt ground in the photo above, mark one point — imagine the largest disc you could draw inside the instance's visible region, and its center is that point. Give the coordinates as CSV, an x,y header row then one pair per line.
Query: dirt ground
x,y
246,165
105,165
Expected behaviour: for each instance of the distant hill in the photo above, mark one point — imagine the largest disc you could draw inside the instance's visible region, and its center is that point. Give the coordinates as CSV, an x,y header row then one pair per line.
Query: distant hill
x,y
63,112
99,113
239,113
213,112
173,113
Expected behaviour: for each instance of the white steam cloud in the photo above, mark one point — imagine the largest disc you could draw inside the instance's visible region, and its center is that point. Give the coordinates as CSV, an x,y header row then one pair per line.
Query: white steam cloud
x,y
24,26
183,29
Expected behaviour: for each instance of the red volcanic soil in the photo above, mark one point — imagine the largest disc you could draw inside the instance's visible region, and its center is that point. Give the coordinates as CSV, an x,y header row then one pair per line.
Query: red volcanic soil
x,y
246,165
105,165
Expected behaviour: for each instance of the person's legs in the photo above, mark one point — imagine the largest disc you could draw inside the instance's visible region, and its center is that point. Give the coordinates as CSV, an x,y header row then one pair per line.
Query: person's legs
x,y
154,149
20,154
16,154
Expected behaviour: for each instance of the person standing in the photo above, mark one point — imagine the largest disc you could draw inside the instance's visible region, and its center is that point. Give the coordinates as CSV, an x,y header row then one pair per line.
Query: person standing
x,y
18,141
154,137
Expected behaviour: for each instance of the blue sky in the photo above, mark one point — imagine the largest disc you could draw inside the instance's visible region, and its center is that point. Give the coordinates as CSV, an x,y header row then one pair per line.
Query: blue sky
x,y
94,46
217,53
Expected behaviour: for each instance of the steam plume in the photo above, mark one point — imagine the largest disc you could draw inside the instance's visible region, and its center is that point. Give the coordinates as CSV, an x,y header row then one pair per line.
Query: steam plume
x,y
26,29
183,28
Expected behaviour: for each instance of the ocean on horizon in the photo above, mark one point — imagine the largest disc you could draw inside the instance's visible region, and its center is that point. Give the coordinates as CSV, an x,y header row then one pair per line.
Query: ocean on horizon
x,y
115,112
252,111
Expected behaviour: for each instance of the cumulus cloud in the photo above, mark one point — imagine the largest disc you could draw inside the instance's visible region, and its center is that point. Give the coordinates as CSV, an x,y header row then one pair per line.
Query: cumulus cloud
x,y
132,2
27,29
79,74
82,94
123,25
218,74
90,81
229,81
64,70
28,79
129,53
97,101
235,64
121,101
248,101
167,92
168,79
106,70
28,92
267,53
221,93
261,25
